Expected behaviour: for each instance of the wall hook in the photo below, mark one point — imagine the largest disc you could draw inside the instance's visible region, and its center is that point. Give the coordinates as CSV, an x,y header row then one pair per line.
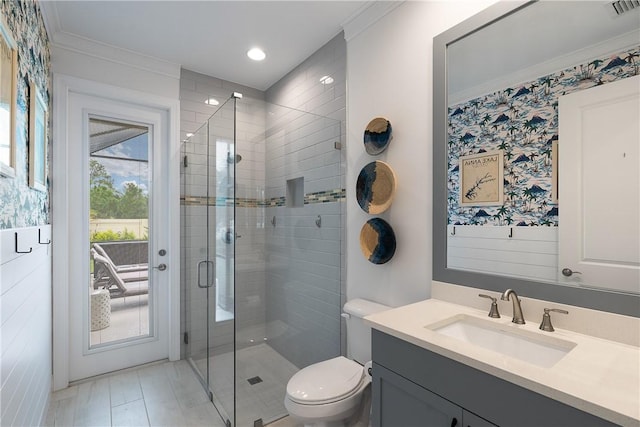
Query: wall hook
x,y
453,231
510,232
21,252
40,239
319,221
273,221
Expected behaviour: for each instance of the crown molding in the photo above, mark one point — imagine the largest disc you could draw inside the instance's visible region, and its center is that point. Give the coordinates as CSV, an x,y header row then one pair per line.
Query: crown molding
x,y
366,16
50,17
60,39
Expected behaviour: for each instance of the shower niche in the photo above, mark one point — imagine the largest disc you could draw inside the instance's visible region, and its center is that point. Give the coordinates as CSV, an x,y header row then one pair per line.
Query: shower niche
x,y
295,193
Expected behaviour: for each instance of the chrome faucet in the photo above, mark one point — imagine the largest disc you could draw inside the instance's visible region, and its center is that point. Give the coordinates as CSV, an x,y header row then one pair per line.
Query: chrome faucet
x,y
517,310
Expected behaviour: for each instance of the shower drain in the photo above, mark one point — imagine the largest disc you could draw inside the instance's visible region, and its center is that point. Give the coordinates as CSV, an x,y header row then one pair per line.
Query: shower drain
x,y
254,380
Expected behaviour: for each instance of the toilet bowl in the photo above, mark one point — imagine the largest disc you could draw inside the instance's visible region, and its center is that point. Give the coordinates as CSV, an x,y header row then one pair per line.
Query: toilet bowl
x,y
326,393
331,393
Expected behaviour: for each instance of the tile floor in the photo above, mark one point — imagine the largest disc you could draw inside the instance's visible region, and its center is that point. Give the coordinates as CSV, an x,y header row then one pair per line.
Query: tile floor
x,y
262,400
169,393
161,394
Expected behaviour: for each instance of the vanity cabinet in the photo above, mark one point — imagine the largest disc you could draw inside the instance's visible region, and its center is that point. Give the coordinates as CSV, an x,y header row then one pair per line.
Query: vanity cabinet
x,y
404,403
416,387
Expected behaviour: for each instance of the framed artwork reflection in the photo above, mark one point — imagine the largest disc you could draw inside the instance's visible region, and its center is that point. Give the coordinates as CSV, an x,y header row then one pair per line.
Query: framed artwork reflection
x,y
8,93
554,172
481,179
37,139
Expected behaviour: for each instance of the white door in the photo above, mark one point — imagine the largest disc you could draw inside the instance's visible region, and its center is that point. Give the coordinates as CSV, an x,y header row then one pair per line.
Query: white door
x,y
599,186
118,302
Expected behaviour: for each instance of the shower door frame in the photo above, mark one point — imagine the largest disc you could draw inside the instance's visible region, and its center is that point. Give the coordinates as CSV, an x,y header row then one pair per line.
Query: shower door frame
x,y
205,281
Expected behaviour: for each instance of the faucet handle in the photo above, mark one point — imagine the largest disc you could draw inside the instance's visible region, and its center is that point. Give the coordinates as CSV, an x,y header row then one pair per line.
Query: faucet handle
x,y
546,319
494,306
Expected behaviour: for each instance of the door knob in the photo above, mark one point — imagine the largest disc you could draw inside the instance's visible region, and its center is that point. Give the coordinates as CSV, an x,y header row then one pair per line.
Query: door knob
x,y
568,272
161,267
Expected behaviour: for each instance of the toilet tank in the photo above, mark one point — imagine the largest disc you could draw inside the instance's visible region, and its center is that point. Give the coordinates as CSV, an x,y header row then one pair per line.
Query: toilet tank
x,y
359,334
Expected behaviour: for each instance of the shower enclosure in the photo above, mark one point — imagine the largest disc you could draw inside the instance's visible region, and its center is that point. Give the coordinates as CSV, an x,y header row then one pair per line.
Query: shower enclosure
x,y
262,194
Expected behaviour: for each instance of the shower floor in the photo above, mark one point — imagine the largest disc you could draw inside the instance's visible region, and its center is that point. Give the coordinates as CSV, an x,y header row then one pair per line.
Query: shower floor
x,y
264,399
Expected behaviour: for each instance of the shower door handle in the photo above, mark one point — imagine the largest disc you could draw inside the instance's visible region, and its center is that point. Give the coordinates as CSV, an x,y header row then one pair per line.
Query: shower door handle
x,y
209,282
210,277
199,275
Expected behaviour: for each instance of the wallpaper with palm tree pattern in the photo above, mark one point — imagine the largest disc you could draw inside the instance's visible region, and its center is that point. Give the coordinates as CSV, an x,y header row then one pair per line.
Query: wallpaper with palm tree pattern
x,y
20,205
523,122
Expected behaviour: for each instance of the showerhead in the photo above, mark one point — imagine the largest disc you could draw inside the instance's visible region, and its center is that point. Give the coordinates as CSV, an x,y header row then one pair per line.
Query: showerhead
x,y
233,159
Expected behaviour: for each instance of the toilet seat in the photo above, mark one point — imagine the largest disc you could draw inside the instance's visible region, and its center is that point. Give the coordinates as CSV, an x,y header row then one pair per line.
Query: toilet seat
x,y
326,382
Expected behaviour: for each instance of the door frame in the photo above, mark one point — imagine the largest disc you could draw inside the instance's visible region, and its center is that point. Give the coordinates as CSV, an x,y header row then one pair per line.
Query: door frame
x,y
62,228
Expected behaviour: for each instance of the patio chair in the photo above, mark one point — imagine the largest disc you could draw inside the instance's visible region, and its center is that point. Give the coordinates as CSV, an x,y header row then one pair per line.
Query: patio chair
x,y
106,276
134,254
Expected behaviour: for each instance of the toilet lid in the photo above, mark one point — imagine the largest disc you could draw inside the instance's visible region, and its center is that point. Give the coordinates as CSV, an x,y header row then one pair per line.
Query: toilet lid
x,y
325,382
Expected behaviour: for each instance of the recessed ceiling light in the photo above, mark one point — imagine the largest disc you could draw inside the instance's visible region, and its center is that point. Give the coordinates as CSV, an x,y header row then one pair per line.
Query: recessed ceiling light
x,y
212,101
326,80
256,54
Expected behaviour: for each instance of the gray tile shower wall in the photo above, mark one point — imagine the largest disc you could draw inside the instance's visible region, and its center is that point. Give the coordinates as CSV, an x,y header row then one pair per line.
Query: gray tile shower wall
x,y
305,272
288,286
303,283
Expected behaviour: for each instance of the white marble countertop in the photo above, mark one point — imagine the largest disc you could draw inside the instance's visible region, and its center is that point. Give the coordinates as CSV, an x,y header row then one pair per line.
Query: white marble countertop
x,y
597,376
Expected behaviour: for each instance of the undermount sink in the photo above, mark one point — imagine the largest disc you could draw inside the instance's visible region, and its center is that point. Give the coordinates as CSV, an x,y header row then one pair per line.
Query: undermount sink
x,y
508,340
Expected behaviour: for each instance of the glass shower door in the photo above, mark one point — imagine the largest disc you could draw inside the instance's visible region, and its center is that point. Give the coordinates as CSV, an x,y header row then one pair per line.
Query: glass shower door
x,y
221,246
208,255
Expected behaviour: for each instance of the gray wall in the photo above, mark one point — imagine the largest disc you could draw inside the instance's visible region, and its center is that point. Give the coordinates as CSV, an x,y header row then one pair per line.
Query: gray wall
x,y
305,292
394,56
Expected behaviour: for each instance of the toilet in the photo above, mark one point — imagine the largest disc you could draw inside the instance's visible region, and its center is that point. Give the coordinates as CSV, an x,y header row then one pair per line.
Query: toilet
x,y
335,392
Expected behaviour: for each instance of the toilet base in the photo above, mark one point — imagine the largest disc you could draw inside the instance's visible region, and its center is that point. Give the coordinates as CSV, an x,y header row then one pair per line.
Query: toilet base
x,y
352,414
326,424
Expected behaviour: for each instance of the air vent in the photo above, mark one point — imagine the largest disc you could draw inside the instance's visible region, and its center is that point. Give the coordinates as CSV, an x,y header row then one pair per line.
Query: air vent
x,y
622,6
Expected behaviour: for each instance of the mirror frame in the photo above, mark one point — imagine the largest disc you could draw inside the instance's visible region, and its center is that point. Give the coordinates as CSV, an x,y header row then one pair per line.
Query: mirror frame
x,y
598,299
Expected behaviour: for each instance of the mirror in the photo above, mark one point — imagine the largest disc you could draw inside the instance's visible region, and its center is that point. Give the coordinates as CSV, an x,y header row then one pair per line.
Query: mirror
x,y
498,78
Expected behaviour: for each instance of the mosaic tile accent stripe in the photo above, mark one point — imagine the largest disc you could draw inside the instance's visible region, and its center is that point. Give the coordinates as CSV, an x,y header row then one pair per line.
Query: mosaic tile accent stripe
x,y
205,201
277,201
328,196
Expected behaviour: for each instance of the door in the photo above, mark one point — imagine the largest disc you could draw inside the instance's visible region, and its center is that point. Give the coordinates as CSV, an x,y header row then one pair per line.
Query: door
x,y
208,253
400,402
221,242
599,186
119,204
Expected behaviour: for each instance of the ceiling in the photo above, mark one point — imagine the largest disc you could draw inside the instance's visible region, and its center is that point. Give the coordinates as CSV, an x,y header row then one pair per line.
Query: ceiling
x,y
209,37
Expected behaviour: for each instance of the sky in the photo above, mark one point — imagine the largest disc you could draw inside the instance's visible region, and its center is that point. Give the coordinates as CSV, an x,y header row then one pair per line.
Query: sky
x,y
126,171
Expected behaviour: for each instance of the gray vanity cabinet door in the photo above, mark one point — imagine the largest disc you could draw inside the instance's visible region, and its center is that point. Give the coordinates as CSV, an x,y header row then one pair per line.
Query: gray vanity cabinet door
x,y
472,420
400,402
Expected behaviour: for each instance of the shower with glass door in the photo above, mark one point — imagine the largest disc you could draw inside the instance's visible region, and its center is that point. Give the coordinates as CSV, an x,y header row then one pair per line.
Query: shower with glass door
x,y
261,223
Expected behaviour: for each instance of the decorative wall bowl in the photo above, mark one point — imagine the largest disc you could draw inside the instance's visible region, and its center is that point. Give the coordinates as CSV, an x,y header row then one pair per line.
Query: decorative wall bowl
x,y
377,136
377,241
375,187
